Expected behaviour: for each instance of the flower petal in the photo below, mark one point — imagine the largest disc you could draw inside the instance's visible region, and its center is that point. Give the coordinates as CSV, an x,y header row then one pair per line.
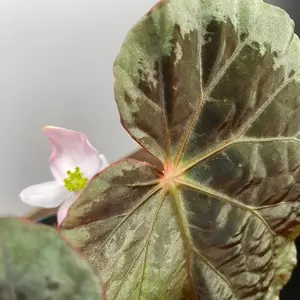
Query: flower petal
x,y
104,163
63,210
48,194
92,170
69,150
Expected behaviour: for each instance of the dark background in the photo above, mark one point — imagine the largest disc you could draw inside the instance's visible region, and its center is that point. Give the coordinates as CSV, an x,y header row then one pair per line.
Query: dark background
x,y
292,290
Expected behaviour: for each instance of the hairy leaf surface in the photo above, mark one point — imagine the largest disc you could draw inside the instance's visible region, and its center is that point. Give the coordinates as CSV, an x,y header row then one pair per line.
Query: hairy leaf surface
x,y
211,88
36,264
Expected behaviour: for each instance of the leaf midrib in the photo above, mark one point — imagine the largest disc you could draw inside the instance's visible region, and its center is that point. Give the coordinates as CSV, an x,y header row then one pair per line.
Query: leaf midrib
x,y
231,142
190,248
144,248
224,198
202,100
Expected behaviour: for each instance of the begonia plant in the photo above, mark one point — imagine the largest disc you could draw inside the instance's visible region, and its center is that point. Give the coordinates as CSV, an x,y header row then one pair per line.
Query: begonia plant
x,y
211,90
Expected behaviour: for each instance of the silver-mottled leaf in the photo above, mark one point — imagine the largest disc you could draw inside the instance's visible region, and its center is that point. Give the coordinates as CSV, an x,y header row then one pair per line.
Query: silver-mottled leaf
x,y
212,89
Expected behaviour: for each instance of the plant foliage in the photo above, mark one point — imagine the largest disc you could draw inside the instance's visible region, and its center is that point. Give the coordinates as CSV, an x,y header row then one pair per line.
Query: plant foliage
x,y
36,264
211,88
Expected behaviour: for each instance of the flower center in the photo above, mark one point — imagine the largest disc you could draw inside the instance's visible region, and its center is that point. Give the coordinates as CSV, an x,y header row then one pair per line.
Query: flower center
x,y
75,181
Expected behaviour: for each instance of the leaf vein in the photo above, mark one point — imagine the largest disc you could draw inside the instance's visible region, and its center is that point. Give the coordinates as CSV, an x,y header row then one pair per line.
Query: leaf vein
x,y
218,273
156,214
201,101
251,120
143,201
225,198
229,143
186,239
145,246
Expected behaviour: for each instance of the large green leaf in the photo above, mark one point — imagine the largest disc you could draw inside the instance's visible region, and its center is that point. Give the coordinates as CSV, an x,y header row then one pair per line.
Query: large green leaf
x,y
212,89
36,264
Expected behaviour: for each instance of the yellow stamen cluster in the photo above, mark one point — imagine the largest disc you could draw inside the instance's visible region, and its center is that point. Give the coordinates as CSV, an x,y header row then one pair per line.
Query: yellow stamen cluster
x,y
75,181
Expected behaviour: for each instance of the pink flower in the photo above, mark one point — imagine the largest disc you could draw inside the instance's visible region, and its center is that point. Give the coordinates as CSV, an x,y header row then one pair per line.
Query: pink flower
x,y
73,162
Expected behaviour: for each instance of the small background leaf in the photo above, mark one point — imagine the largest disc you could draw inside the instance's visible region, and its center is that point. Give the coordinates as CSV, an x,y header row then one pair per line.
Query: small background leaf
x,y
36,264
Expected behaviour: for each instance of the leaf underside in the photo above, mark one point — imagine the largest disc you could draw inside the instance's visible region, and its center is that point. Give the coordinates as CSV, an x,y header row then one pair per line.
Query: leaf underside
x,y
36,264
211,88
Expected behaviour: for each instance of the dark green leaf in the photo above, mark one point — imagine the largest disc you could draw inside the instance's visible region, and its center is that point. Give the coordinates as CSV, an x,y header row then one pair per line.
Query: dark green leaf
x,y
212,89
36,264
